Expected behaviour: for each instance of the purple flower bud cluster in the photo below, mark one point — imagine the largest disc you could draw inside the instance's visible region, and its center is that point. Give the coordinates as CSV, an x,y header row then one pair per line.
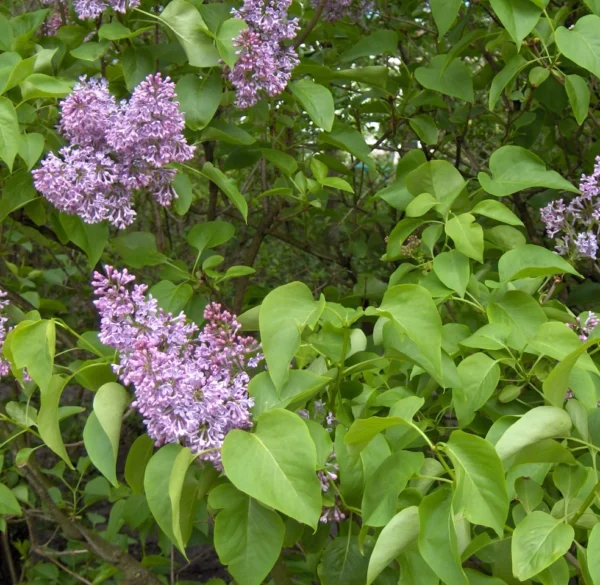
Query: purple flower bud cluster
x,y
584,329
190,387
264,65
338,9
576,224
93,8
332,511
4,365
115,151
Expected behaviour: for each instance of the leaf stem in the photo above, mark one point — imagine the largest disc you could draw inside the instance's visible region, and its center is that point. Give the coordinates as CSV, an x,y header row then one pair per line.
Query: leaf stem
x,y
586,504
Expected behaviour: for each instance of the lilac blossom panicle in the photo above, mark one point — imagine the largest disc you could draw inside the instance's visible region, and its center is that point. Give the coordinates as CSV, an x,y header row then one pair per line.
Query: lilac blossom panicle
x,y
4,365
576,224
88,9
264,65
114,151
190,387
338,9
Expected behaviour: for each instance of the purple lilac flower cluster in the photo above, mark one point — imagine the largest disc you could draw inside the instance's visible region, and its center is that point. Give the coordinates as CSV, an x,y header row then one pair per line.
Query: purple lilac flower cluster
x,y
577,223
4,365
338,9
583,329
93,8
115,150
264,65
190,387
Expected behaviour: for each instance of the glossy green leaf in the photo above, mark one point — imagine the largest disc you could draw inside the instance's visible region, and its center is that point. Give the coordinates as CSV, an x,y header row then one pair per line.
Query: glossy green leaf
x,y
445,13
517,17
579,96
301,385
531,261
40,85
248,536
593,555
520,313
480,487
479,375
90,51
91,238
228,186
103,429
179,471
504,77
165,473
581,44
424,128
183,19
514,168
413,310
401,531
557,383
281,449
9,132
32,344
199,98
171,297
537,542
467,235
437,538
380,43
8,503
30,148
317,101
542,422
452,79
385,485
284,313
343,563
115,31
48,418
363,430
453,269
139,454
496,210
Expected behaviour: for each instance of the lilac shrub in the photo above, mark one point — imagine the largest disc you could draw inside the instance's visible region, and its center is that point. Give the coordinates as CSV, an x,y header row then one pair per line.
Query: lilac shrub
x,y
191,387
576,224
265,65
115,150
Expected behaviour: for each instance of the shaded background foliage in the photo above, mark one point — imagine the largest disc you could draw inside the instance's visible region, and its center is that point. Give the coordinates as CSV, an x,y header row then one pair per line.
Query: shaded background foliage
x,y
339,182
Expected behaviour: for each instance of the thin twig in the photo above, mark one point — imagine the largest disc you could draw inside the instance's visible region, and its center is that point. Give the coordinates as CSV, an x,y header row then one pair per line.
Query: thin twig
x,y
302,36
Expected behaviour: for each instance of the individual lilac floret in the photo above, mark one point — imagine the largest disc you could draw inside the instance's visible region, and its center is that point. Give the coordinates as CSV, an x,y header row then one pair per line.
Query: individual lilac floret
x,y
87,9
584,329
4,365
115,151
264,65
338,9
190,387
576,225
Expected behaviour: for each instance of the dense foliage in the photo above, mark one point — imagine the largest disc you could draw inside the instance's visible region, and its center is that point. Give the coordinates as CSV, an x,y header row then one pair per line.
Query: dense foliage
x,y
299,292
